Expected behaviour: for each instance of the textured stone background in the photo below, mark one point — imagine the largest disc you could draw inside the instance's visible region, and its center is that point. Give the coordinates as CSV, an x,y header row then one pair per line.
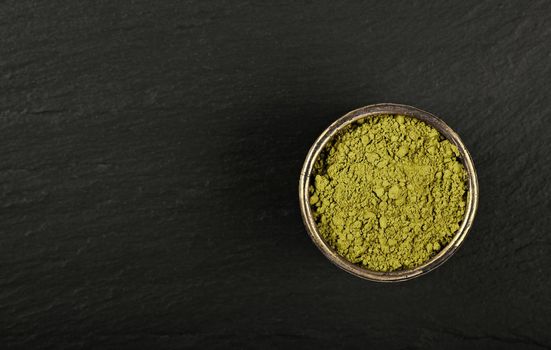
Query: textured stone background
x,y
149,162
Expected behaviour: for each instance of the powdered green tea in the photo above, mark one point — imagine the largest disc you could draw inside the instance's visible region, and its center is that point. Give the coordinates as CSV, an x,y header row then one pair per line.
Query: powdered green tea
x,y
389,192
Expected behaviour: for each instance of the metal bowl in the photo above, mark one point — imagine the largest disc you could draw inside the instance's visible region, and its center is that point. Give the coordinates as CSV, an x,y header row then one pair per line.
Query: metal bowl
x,y
306,209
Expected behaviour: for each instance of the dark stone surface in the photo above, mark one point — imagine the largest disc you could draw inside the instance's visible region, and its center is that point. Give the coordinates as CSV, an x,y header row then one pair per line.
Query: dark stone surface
x,y
150,154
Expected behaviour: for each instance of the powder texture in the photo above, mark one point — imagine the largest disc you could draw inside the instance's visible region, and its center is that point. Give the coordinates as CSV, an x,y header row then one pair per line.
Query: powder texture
x,y
389,192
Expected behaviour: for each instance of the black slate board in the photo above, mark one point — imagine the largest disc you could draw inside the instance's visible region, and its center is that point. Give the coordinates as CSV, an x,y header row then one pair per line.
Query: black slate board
x,y
150,154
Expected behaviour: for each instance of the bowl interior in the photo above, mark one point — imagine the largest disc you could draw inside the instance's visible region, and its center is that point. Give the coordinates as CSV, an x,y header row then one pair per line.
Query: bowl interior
x,y
366,112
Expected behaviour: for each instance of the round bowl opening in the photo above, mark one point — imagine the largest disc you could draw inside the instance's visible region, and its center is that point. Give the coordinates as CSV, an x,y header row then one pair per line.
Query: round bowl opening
x,y
366,112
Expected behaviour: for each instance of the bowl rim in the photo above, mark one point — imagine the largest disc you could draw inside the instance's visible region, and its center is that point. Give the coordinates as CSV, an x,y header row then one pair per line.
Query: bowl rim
x,y
366,112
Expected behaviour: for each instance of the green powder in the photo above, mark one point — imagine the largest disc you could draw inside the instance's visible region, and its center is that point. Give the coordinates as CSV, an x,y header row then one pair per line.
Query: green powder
x,y
388,192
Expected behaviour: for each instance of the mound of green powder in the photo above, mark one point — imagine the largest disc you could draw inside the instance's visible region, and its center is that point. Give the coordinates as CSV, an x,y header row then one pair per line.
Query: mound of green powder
x,y
389,192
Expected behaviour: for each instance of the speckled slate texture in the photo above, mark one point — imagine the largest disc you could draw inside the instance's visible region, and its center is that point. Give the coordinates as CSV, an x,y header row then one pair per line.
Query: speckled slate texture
x,y
149,162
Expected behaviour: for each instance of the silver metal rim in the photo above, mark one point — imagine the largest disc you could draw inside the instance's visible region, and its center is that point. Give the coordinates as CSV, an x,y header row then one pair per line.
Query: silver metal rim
x,y
369,111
